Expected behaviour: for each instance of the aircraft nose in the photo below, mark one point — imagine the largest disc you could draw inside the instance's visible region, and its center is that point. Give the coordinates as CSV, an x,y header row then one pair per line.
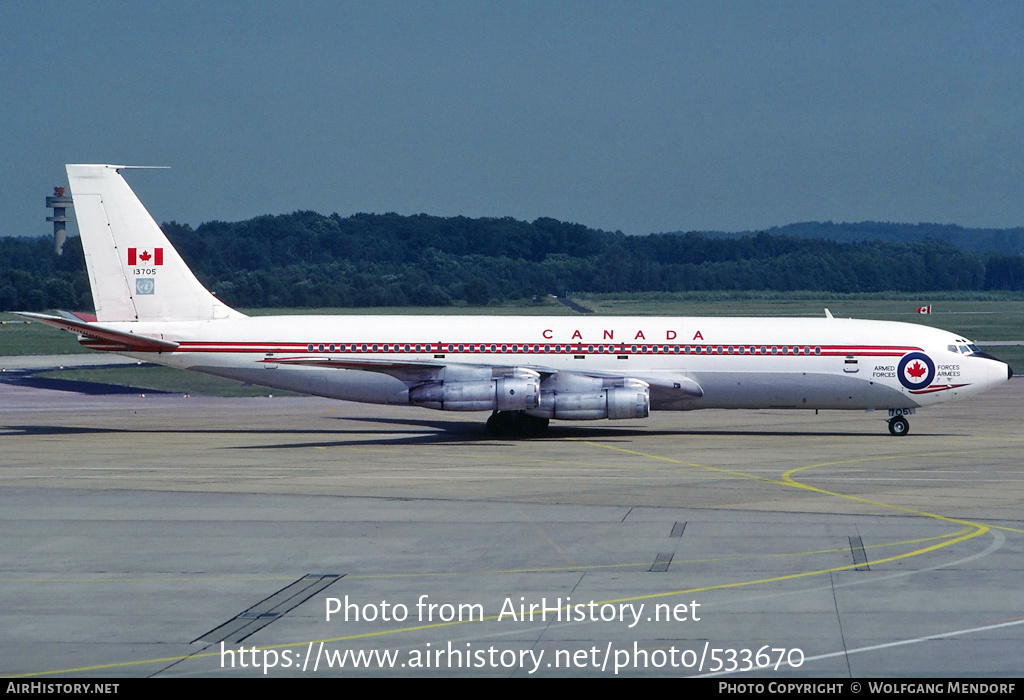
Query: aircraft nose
x,y
1009,370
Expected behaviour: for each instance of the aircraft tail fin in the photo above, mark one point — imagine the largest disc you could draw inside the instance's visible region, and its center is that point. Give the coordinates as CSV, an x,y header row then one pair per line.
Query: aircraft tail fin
x,y
134,271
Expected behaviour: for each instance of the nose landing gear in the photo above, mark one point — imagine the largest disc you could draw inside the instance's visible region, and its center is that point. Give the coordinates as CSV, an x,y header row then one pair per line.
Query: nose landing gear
x,y
899,426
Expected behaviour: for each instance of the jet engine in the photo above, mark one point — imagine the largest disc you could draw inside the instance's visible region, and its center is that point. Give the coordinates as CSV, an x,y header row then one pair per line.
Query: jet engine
x,y
589,398
518,391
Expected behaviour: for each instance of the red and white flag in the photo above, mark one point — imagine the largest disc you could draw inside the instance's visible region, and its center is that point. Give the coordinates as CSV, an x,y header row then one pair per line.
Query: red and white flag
x,y
924,309
145,257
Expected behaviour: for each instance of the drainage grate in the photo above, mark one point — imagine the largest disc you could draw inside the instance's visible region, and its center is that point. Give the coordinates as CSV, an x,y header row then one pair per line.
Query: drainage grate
x,y
269,609
860,557
662,561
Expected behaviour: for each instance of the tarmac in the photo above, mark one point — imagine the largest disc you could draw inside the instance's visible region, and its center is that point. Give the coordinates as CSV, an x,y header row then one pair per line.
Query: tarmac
x,y
173,536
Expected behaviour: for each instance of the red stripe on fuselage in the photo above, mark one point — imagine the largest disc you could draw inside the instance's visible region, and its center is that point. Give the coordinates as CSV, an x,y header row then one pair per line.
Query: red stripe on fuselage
x,y
933,389
689,349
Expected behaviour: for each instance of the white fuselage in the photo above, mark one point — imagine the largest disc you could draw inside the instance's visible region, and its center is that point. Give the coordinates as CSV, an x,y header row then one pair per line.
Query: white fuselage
x,y
690,363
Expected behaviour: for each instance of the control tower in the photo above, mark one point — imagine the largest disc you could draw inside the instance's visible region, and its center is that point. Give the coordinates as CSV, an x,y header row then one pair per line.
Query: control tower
x,y
60,204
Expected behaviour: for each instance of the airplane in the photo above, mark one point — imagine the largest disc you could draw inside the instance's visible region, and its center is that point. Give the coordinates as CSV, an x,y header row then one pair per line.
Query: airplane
x,y
524,370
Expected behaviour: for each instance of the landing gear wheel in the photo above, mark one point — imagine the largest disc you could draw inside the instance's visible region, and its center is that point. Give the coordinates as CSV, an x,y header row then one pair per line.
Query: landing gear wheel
x,y
529,426
500,423
515,424
899,426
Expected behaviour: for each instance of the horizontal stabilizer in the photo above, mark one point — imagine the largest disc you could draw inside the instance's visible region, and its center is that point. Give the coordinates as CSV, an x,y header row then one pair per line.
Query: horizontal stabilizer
x,y
128,341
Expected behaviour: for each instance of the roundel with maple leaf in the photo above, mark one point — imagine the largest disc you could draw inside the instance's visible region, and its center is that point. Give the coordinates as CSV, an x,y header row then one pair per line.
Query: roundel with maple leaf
x,y
916,370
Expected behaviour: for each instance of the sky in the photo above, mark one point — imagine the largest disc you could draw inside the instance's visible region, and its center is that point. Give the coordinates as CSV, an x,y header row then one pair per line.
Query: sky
x,y
634,116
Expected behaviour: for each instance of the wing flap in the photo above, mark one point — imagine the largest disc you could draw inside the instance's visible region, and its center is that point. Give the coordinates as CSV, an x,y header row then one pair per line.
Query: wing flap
x,y
404,370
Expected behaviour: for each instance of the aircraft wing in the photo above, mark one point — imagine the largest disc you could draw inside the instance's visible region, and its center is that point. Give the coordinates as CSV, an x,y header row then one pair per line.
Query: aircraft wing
x,y
409,371
123,341
667,384
403,370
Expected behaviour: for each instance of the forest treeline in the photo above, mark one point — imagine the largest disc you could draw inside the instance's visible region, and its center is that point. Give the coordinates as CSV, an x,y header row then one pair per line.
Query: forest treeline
x,y
307,259
1009,241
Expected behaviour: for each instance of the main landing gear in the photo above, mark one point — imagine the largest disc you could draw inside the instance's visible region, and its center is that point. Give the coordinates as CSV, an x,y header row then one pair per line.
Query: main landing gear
x,y
899,426
515,424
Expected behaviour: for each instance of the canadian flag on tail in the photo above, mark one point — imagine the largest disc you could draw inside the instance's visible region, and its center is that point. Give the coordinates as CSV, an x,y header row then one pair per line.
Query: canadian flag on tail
x,y
920,309
145,257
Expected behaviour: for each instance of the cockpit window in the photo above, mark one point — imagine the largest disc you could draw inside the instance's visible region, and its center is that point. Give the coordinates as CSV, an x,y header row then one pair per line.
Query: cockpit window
x,y
952,348
964,350
974,348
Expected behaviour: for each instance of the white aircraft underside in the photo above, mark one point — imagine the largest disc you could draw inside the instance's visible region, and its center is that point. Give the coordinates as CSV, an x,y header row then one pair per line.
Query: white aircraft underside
x,y
525,370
